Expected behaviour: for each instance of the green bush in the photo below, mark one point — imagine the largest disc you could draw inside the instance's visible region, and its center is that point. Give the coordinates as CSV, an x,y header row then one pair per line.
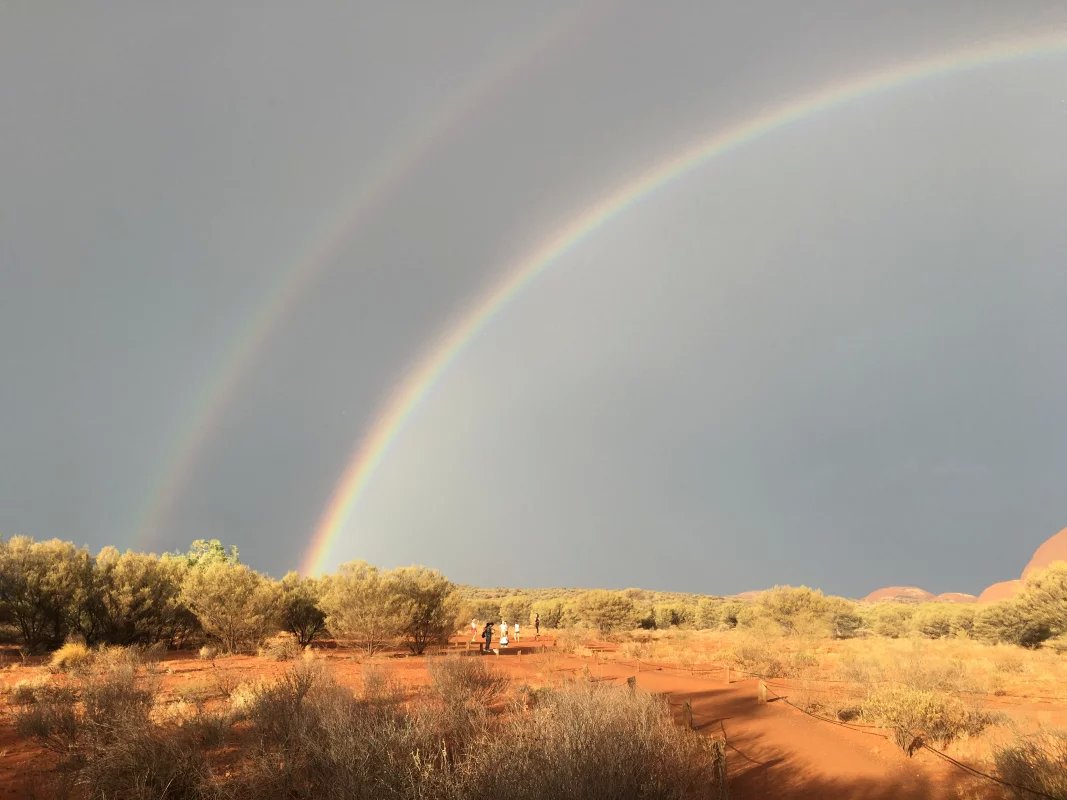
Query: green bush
x,y
929,715
1037,762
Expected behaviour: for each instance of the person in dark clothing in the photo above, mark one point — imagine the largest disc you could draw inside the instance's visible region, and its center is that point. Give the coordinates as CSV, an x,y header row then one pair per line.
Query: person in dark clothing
x,y
537,626
487,635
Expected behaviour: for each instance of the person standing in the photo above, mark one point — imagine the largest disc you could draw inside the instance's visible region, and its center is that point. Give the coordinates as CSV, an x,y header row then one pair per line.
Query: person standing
x,y
487,635
503,630
474,630
516,631
537,626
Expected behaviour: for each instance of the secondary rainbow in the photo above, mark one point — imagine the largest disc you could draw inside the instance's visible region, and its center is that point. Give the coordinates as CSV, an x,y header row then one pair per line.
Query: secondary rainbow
x,y
184,446
406,397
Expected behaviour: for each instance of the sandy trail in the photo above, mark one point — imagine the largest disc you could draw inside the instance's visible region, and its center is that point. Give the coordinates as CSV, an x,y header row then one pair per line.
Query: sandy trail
x,y
778,751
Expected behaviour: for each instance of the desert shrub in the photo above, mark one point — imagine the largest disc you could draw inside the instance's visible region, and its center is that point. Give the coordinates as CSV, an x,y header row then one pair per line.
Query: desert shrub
x,y
48,714
427,605
234,604
516,608
794,609
912,713
843,618
1044,597
942,620
1011,622
114,699
135,600
43,588
709,613
283,647
672,615
299,611
145,762
460,679
728,616
25,691
1037,762
604,610
551,612
71,656
892,620
760,657
360,607
207,653
591,740
582,741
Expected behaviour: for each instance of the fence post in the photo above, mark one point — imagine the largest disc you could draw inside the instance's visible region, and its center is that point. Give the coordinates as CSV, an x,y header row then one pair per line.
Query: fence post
x,y
718,769
687,713
761,693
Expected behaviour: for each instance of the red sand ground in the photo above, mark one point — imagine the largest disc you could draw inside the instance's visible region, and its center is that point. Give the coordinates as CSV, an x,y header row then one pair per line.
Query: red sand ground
x,y
775,750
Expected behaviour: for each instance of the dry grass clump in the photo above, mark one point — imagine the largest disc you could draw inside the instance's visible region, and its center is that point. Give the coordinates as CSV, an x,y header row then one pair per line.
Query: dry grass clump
x,y
1037,762
314,739
920,713
71,656
592,740
208,653
759,657
283,647
48,714
457,679
101,726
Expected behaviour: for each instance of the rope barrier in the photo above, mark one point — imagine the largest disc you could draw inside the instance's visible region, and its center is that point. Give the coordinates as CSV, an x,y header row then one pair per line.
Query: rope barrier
x,y
974,771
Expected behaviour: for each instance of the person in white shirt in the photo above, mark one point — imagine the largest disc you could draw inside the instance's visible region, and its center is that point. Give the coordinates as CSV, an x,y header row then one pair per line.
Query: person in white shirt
x,y
503,633
516,631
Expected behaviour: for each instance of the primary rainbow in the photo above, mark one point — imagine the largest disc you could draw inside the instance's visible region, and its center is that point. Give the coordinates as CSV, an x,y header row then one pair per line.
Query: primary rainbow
x,y
404,400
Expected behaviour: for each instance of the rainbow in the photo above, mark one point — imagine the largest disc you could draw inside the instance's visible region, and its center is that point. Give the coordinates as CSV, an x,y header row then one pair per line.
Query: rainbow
x,y
372,449
184,446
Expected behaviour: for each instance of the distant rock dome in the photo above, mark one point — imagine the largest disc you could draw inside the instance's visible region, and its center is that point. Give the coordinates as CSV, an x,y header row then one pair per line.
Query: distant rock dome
x,y
905,594
1052,549
1004,590
955,597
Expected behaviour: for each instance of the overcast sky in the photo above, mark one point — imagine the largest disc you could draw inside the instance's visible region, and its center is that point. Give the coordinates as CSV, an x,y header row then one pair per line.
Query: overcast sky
x,y
834,356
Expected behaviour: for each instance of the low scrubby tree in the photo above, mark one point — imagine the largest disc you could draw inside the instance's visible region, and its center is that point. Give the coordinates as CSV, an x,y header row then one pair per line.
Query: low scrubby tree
x,y
298,608
234,603
136,599
427,605
44,588
360,607
604,610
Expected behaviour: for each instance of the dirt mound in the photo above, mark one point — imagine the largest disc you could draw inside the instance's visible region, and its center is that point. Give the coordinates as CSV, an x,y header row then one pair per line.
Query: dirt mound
x,y
955,597
1000,591
905,594
1052,549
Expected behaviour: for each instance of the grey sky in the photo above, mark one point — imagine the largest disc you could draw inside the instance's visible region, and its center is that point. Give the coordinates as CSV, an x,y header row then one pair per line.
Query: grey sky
x,y
833,356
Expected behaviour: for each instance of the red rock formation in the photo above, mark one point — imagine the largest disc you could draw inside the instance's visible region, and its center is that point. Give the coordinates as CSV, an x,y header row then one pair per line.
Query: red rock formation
x,y
1052,549
907,594
1000,591
955,597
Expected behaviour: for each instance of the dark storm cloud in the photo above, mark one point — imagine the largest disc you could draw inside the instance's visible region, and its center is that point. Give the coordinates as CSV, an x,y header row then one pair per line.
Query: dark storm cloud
x,y
831,358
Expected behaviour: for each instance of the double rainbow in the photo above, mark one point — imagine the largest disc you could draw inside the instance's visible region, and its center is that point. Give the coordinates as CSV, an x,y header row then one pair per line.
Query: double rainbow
x,y
373,448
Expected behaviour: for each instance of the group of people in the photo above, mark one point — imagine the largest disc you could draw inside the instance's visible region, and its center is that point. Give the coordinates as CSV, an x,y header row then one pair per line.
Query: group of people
x,y
487,633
